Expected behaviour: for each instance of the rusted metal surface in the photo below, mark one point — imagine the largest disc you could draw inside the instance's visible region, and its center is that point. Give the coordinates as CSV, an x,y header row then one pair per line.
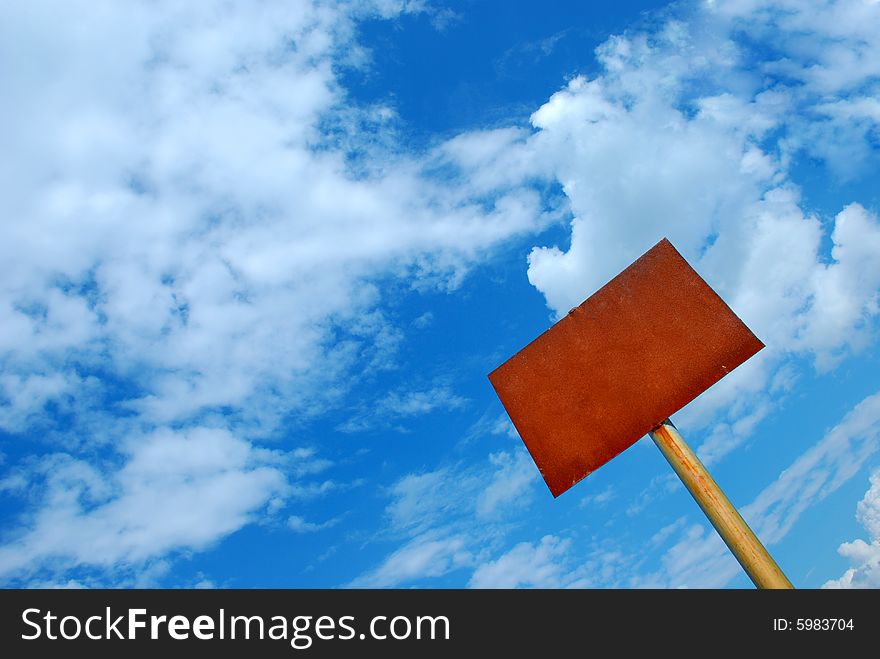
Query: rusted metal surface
x,y
732,528
639,349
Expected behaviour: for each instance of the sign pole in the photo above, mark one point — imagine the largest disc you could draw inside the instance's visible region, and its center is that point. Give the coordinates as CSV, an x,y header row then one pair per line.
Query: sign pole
x,y
732,528
657,327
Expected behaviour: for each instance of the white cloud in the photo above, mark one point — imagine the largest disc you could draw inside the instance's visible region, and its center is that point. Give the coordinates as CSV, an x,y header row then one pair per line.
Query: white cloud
x,y
401,404
416,403
194,212
845,293
822,469
175,491
186,223
864,556
300,525
526,565
449,518
599,499
509,484
492,423
664,533
641,156
835,43
555,563
424,320
461,519
422,557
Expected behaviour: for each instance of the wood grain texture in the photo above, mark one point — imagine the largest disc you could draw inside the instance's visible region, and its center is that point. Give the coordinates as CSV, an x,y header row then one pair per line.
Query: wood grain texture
x,y
740,539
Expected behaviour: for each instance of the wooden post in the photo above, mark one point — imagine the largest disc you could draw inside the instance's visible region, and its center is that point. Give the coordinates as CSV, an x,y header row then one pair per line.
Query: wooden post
x,y
732,528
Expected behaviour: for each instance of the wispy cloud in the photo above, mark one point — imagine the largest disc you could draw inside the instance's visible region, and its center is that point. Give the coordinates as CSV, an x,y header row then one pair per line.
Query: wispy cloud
x,y
536,565
398,405
300,525
447,519
699,558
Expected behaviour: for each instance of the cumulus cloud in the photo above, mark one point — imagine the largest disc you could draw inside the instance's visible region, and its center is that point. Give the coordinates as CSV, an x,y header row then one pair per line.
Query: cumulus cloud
x,y
208,249
864,556
637,173
691,131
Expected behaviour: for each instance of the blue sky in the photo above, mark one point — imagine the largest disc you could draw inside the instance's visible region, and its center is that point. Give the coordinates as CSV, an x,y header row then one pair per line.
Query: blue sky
x,y
258,259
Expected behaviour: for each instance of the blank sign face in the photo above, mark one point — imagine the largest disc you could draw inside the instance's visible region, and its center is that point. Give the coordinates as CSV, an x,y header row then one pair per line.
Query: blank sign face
x,y
642,347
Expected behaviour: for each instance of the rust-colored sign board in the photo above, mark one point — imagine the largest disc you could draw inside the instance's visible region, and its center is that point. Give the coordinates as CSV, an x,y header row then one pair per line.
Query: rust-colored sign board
x,y
639,349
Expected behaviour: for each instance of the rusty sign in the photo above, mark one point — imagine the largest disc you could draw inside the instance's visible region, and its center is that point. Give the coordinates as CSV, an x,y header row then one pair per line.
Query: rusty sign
x,y
636,351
